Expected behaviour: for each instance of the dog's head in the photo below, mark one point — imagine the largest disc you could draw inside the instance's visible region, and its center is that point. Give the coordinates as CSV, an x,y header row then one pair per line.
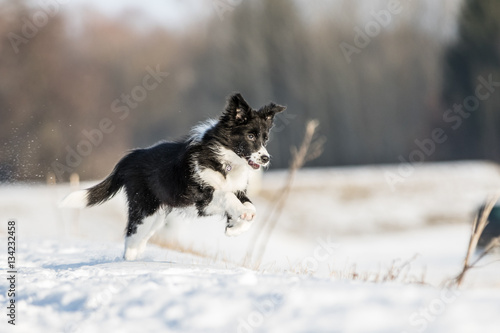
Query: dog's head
x,y
248,129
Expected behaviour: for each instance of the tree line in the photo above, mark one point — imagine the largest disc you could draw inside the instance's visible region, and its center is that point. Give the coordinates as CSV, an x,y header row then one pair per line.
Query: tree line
x,y
76,97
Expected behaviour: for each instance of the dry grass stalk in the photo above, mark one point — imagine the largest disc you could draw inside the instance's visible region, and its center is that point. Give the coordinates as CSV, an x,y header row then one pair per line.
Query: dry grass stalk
x,y
310,149
480,222
397,272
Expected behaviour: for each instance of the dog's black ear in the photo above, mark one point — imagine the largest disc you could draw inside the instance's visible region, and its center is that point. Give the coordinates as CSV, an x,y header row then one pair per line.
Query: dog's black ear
x,y
271,109
237,108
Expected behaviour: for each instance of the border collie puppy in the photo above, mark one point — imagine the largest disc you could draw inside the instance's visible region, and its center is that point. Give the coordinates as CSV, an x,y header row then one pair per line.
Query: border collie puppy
x,y
207,171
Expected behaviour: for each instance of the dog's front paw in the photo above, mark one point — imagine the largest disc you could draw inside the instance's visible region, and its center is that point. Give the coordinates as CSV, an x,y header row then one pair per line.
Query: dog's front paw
x,y
248,213
238,228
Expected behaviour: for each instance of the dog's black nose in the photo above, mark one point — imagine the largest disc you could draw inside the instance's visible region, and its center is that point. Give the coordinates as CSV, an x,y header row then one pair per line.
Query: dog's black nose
x,y
264,159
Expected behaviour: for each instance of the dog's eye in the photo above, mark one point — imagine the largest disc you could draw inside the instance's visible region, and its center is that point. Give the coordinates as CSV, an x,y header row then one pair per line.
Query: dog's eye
x,y
251,137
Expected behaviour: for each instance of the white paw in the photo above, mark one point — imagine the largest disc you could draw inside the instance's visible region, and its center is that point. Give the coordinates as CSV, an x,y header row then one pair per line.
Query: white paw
x,y
238,228
248,212
131,254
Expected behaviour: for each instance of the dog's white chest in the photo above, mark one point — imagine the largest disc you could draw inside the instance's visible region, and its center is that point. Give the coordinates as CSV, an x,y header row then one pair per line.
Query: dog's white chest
x,y
236,178
236,169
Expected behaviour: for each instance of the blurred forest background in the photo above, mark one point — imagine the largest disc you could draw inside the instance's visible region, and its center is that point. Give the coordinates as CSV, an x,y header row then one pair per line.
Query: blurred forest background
x,y
65,78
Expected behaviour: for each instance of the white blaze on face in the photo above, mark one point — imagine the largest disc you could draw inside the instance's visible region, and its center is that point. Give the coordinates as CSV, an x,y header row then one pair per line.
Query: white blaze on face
x,y
260,157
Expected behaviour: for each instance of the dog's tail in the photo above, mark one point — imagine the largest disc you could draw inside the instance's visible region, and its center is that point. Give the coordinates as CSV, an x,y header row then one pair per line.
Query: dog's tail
x,y
95,195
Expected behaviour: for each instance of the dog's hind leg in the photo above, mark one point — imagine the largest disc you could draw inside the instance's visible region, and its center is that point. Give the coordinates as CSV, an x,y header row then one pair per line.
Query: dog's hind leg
x,y
135,242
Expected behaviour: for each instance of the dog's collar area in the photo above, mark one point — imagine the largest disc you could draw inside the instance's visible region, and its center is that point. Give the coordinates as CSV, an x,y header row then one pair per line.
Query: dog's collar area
x,y
228,167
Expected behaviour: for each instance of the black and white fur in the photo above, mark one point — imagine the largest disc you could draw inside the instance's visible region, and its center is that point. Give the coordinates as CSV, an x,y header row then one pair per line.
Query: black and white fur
x,y
207,172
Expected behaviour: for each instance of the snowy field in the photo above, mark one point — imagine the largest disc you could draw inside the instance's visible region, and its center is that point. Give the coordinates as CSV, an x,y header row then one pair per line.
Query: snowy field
x,y
328,266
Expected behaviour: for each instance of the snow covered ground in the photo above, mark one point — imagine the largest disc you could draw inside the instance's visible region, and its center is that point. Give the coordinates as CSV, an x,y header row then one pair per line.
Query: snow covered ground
x,y
338,222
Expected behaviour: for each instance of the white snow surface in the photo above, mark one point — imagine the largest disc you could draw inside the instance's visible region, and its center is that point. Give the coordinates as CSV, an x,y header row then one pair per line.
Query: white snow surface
x,y
72,278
